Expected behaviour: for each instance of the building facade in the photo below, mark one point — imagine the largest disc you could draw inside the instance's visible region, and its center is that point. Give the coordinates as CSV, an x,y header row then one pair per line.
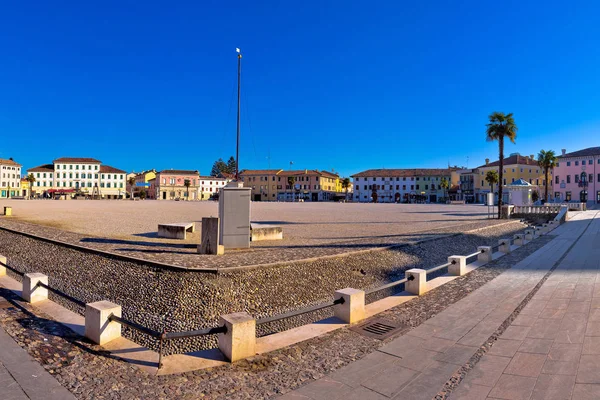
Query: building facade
x,y
577,176
403,185
296,185
170,184
84,176
211,185
515,167
142,182
10,171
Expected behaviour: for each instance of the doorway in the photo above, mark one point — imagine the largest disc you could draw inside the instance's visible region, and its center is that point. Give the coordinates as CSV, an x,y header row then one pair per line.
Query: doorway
x,y
583,195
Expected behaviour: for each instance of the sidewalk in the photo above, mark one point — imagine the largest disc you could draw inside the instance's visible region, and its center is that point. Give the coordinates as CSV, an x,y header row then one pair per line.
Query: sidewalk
x,y
418,364
21,377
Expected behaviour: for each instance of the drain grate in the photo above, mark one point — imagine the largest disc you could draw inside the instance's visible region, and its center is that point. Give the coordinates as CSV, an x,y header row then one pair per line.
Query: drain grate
x,y
379,328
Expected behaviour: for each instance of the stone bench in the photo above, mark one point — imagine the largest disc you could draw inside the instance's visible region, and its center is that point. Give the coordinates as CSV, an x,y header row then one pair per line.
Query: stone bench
x,y
176,231
260,232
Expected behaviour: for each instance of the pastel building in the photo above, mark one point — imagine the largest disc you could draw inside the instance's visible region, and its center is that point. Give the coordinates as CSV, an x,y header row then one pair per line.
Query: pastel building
x,y
211,185
10,174
515,167
142,182
170,184
403,185
308,185
577,176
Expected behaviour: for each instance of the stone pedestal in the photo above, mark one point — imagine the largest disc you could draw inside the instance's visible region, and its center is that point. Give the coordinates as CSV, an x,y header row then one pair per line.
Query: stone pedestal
x,y
2,267
209,243
417,281
485,254
31,292
458,265
97,326
240,340
504,245
353,308
8,211
520,239
234,216
529,234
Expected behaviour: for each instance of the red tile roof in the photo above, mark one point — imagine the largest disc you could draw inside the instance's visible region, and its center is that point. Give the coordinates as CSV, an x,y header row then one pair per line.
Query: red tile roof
x,y
589,152
73,160
260,171
42,168
515,159
179,172
388,173
107,169
9,162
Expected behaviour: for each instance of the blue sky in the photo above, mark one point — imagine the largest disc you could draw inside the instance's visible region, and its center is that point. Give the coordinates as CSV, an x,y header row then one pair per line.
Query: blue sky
x,y
346,85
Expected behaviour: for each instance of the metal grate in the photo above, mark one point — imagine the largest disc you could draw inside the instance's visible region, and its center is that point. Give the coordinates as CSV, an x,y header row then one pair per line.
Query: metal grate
x,y
379,328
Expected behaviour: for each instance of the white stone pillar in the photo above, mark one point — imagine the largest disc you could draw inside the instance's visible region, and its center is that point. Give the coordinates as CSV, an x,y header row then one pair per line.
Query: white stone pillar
x,y
32,293
520,239
98,328
416,281
2,267
239,341
485,254
352,309
458,265
529,234
504,245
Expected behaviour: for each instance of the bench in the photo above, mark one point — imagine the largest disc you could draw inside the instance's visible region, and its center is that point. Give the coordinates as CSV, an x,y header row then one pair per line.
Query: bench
x,y
176,231
260,232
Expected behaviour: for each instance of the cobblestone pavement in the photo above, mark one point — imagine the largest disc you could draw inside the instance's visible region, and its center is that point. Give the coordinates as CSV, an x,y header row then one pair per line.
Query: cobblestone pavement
x,y
90,373
271,252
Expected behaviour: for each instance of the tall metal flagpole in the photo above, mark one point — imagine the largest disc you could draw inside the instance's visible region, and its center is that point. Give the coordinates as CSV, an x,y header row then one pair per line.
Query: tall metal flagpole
x,y
237,150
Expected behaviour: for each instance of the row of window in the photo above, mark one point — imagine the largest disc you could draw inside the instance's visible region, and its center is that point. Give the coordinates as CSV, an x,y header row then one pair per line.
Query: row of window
x,y
303,187
83,175
14,176
64,166
583,177
537,182
425,178
589,162
77,184
298,179
391,187
537,171
173,181
11,168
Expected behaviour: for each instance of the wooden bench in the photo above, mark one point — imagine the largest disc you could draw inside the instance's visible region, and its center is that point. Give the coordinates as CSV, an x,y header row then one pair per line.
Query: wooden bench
x,y
176,231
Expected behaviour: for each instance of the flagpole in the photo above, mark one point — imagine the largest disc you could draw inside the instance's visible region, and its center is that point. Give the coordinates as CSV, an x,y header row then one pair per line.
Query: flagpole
x,y
237,150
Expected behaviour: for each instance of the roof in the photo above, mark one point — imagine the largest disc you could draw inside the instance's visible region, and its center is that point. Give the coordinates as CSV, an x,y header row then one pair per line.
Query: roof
x,y
308,172
520,182
178,172
68,160
9,162
213,178
107,169
387,173
515,159
589,152
260,171
42,168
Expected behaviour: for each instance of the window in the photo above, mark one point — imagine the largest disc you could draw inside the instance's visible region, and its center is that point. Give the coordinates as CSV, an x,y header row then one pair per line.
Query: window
x,y
38,175
121,185
568,178
598,178
568,196
101,184
481,183
576,178
557,181
582,162
96,168
426,187
417,185
568,163
557,165
576,162
89,167
505,181
404,186
522,170
537,181
95,176
108,184
44,175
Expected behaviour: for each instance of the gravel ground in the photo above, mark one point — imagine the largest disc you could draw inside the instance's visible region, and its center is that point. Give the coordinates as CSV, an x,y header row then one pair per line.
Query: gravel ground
x,y
90,374
179,301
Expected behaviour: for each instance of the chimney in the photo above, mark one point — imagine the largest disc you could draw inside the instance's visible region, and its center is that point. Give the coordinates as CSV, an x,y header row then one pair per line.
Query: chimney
x,y
487,161
564,151
531,156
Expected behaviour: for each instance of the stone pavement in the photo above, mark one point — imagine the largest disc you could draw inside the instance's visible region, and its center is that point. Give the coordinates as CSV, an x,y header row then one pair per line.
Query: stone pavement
x,y
419,364
21,377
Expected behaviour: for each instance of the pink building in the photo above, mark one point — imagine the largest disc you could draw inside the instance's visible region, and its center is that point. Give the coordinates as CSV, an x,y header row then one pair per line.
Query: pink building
x,y
577,176
170,185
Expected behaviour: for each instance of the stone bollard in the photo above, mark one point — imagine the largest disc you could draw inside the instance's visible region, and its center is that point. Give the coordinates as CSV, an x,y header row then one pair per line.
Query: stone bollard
x,y
458,265
239,341
417,281
209,243
98,328
529,234
8,211
352,309
537,232
2,267
504,245
32,293
485,254
520,239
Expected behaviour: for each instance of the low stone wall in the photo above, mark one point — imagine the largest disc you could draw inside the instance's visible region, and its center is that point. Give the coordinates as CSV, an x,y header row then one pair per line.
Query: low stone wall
x,y
178,301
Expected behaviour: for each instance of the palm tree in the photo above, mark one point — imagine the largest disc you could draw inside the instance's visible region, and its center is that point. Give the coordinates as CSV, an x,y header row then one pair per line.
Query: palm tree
x,y
187,183
547,161
291,182
444,184
346,185
31,179
491,177
131,182
500,126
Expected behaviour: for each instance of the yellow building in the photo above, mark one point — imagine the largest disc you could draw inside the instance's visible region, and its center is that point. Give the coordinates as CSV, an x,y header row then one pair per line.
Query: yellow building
x,y
515,167
24,188
308,185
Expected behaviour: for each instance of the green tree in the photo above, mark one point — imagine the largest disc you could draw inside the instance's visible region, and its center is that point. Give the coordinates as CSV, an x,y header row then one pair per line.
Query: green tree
x,y
445,184
491,177
143,194
291,183
547,161
501,126
231,164
131,182
346,186
187,183
535,196
31,179
218,167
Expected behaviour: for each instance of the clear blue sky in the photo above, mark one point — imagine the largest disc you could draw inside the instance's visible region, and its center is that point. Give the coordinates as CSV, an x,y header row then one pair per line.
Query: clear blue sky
x,y
327,84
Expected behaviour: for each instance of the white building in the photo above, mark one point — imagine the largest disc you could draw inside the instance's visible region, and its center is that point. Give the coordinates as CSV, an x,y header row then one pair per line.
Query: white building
x,y
87,176
210,185
11,178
